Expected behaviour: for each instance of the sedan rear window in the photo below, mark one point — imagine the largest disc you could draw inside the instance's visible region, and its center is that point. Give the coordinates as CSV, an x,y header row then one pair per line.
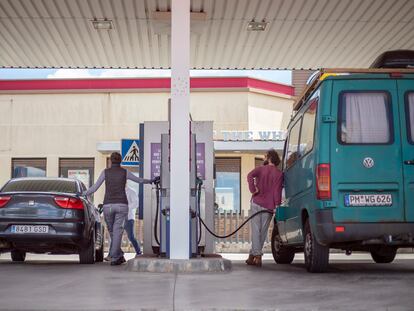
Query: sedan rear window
x,y
365,118
30,185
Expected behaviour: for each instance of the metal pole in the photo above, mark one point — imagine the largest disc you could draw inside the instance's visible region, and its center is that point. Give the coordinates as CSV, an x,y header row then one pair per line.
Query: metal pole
x,y
180,129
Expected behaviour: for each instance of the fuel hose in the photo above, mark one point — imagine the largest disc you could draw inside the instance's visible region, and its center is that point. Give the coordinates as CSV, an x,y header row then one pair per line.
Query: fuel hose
x,y
235,231
200,220
157,194
198,212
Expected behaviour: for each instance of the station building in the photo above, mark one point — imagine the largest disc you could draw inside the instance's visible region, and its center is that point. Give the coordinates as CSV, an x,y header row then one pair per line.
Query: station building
x,y
69,127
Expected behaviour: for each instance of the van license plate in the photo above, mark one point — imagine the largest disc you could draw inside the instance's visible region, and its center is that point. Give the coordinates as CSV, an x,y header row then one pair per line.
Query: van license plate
x,y
29,229
368,200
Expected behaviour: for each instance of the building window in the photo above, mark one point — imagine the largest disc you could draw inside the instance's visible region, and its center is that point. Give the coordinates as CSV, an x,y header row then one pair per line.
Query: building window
x,y
33,167
228,184
78,168
258,162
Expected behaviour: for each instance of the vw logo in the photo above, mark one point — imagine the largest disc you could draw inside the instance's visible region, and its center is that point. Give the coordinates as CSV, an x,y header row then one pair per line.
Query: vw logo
x,y
368,162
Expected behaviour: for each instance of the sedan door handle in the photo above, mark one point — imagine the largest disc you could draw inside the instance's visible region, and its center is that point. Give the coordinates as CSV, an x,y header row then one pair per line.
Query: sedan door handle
x,y
409,162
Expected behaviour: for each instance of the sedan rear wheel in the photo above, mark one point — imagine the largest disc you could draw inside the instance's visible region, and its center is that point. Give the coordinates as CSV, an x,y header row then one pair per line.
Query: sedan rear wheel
x,y
99,254
87,254
18,256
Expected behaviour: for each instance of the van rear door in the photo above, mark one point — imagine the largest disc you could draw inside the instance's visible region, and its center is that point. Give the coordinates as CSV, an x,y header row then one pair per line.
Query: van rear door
x,y
406,100
366,170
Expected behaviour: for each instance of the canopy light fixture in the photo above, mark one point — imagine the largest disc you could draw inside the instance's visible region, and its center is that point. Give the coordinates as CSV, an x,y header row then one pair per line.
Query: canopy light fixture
x,y
102,24
257,26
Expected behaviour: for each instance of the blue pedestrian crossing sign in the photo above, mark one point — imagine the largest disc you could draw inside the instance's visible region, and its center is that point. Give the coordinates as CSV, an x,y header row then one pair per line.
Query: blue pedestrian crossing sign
x,y
130,152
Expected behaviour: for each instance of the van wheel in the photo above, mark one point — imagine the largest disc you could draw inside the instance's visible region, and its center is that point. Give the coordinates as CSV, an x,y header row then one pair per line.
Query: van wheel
x,y
281,253
384,255
316,255
18,256
99,253
87,254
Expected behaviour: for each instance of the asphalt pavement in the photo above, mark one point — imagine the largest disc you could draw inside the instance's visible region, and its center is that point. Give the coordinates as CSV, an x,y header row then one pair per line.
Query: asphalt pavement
x,y
352,283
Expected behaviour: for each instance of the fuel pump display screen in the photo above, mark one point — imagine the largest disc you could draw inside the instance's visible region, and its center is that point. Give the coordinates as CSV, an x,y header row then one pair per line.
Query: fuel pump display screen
x,y
201,160
155,160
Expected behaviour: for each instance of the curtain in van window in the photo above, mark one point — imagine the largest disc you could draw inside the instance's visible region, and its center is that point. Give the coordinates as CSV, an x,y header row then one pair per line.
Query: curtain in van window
x,y
411,112
365,118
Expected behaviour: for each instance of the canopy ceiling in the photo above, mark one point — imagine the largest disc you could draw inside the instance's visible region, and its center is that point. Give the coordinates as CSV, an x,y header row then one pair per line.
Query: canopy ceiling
x,y
299,33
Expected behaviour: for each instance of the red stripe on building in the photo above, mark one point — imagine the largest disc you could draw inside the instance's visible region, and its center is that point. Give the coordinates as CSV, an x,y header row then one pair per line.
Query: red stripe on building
x,y
141,83
272,87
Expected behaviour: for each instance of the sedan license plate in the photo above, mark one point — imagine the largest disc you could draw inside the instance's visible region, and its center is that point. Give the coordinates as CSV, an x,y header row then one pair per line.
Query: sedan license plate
x,y
29,229
368,200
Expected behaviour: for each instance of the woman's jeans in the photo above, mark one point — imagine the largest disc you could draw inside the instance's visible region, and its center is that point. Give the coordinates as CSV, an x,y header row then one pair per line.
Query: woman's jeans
x,y
115,216
129,228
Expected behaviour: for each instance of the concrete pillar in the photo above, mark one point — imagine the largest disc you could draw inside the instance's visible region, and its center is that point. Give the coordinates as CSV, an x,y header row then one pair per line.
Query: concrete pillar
x,y
180,129
52,166
247,164
5,172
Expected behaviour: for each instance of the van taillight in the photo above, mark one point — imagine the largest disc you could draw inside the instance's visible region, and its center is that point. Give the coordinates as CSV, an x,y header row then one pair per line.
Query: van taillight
x,y
71,203
323,181
4,200
396,75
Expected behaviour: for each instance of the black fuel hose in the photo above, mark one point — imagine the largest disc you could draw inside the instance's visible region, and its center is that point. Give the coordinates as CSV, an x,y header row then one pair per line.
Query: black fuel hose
x,y
200,183
234,232
201,221
157,194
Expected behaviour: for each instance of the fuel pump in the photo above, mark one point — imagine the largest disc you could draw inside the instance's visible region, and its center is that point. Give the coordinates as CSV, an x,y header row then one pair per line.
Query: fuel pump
x,y
162,218
156,201
164,197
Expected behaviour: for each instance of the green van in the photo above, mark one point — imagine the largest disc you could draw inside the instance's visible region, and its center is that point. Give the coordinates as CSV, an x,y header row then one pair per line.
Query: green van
x,y
349,168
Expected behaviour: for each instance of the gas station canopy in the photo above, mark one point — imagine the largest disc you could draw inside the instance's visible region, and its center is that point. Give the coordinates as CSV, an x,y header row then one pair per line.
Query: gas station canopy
x,y
235,34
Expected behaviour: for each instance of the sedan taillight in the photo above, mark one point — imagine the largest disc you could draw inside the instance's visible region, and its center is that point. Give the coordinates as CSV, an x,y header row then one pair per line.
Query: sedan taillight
x,y
70,203
4,200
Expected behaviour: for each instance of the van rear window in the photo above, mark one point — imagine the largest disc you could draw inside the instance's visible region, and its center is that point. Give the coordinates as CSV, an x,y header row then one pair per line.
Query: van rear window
x,y
364,118
410,116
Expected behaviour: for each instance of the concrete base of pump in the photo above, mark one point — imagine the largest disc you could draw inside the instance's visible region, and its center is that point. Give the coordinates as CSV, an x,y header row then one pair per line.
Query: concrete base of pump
x,y
208,264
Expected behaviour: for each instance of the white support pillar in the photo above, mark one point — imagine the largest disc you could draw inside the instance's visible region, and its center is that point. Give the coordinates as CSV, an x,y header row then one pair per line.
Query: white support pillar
x,y
180,130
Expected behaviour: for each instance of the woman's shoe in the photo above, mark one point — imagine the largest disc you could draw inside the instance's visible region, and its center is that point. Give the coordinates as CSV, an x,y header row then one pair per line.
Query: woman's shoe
x,y
257,261
249,261
118,262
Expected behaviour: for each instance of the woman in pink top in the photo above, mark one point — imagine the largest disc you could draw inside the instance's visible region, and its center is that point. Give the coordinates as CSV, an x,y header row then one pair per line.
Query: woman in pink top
x,y
265,184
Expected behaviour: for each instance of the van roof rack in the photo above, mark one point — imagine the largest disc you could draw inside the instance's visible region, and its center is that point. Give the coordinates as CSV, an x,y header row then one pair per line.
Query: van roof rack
x,y
321,74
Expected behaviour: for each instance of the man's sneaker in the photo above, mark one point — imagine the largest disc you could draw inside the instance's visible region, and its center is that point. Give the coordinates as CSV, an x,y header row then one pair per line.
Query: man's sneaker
x,y
138,255
107,258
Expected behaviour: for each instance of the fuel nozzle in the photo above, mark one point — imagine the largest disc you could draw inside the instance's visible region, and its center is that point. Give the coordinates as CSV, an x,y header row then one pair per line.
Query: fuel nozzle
x,y
199,181
156,180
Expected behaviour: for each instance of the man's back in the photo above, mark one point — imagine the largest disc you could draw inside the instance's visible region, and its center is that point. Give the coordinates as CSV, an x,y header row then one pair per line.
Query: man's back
x,y
268,180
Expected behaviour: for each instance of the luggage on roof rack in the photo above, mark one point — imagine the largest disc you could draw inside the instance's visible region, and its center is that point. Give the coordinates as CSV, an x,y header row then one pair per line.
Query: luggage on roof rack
x,y
395,59
323,73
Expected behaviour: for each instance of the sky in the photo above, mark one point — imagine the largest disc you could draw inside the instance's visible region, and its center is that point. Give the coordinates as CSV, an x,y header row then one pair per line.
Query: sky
x,y
280,76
